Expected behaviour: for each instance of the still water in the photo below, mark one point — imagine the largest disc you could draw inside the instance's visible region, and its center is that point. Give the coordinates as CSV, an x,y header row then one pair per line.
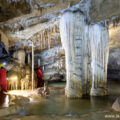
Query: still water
x,y
58,104
94,108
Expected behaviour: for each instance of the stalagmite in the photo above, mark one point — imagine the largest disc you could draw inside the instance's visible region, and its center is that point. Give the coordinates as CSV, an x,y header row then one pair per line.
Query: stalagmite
x,y
32,65
71,30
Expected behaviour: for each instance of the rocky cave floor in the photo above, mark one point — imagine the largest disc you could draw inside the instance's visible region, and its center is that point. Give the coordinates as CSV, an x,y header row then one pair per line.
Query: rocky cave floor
x,y
58,107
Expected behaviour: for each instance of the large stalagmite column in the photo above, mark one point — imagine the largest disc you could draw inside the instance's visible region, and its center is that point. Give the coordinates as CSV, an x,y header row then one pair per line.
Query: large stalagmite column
x,y
71,30
86,53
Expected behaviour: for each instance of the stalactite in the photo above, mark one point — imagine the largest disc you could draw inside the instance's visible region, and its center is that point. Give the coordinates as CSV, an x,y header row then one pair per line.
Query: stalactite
x,y
54,29
44,38
49,40
98,36
46,43
86,52
41,41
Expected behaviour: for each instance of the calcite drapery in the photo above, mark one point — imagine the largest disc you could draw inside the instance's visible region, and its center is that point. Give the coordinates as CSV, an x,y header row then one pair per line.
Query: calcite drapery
x,y
86,53
96,37
20,55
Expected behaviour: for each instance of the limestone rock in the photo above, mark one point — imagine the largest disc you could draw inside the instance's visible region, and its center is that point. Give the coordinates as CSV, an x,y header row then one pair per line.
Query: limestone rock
x,y
20,77
13,80
116,105
53,61
104,9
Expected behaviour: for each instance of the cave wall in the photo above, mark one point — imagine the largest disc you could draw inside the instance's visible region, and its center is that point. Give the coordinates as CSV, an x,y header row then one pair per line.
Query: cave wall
x,y
21,29
114,64
104,9
13,8
4,39
114,56
52,63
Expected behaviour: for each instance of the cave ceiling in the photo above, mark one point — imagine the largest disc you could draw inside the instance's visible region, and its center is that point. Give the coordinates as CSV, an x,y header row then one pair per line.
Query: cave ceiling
x,y
22,20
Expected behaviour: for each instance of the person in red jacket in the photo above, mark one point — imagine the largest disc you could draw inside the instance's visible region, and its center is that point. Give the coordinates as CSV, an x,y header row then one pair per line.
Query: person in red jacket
x,y
39,76
3,80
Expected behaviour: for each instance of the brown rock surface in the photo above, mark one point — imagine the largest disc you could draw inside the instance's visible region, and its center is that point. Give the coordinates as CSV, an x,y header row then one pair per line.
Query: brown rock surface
x,y
116,105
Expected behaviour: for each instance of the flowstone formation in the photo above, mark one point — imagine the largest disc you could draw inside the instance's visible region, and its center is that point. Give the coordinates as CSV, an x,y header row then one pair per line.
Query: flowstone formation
x,y
19,74
98,35
84,38
86,53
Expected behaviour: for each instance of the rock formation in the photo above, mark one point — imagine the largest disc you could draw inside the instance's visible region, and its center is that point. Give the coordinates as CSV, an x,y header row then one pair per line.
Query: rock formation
x,y
84,26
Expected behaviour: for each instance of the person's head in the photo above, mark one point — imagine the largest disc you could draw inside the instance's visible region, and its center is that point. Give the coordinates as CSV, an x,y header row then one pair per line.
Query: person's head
x,y
38,66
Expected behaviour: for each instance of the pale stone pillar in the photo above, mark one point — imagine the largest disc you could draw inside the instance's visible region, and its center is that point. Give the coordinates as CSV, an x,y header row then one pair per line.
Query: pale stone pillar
x,y
21,57
71,30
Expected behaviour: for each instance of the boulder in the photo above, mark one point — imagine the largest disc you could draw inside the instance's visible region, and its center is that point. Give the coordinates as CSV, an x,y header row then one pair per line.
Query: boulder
x,y
116,105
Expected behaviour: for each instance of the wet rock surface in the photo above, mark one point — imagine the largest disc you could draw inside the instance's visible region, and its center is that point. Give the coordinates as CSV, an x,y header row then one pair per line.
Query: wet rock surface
x,y
53,64
11,9
116,105
13,104
104,9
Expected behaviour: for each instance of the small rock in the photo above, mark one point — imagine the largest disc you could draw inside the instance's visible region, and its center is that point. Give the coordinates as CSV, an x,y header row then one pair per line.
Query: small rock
x,y
98,91
116,105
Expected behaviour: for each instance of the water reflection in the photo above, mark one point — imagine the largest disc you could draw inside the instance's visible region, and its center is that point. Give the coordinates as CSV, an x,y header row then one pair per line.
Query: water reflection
x,y
58,104
94,108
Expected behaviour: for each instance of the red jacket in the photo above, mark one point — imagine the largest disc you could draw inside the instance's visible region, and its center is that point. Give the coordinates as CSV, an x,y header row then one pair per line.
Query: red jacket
x,y
39,73
3,80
